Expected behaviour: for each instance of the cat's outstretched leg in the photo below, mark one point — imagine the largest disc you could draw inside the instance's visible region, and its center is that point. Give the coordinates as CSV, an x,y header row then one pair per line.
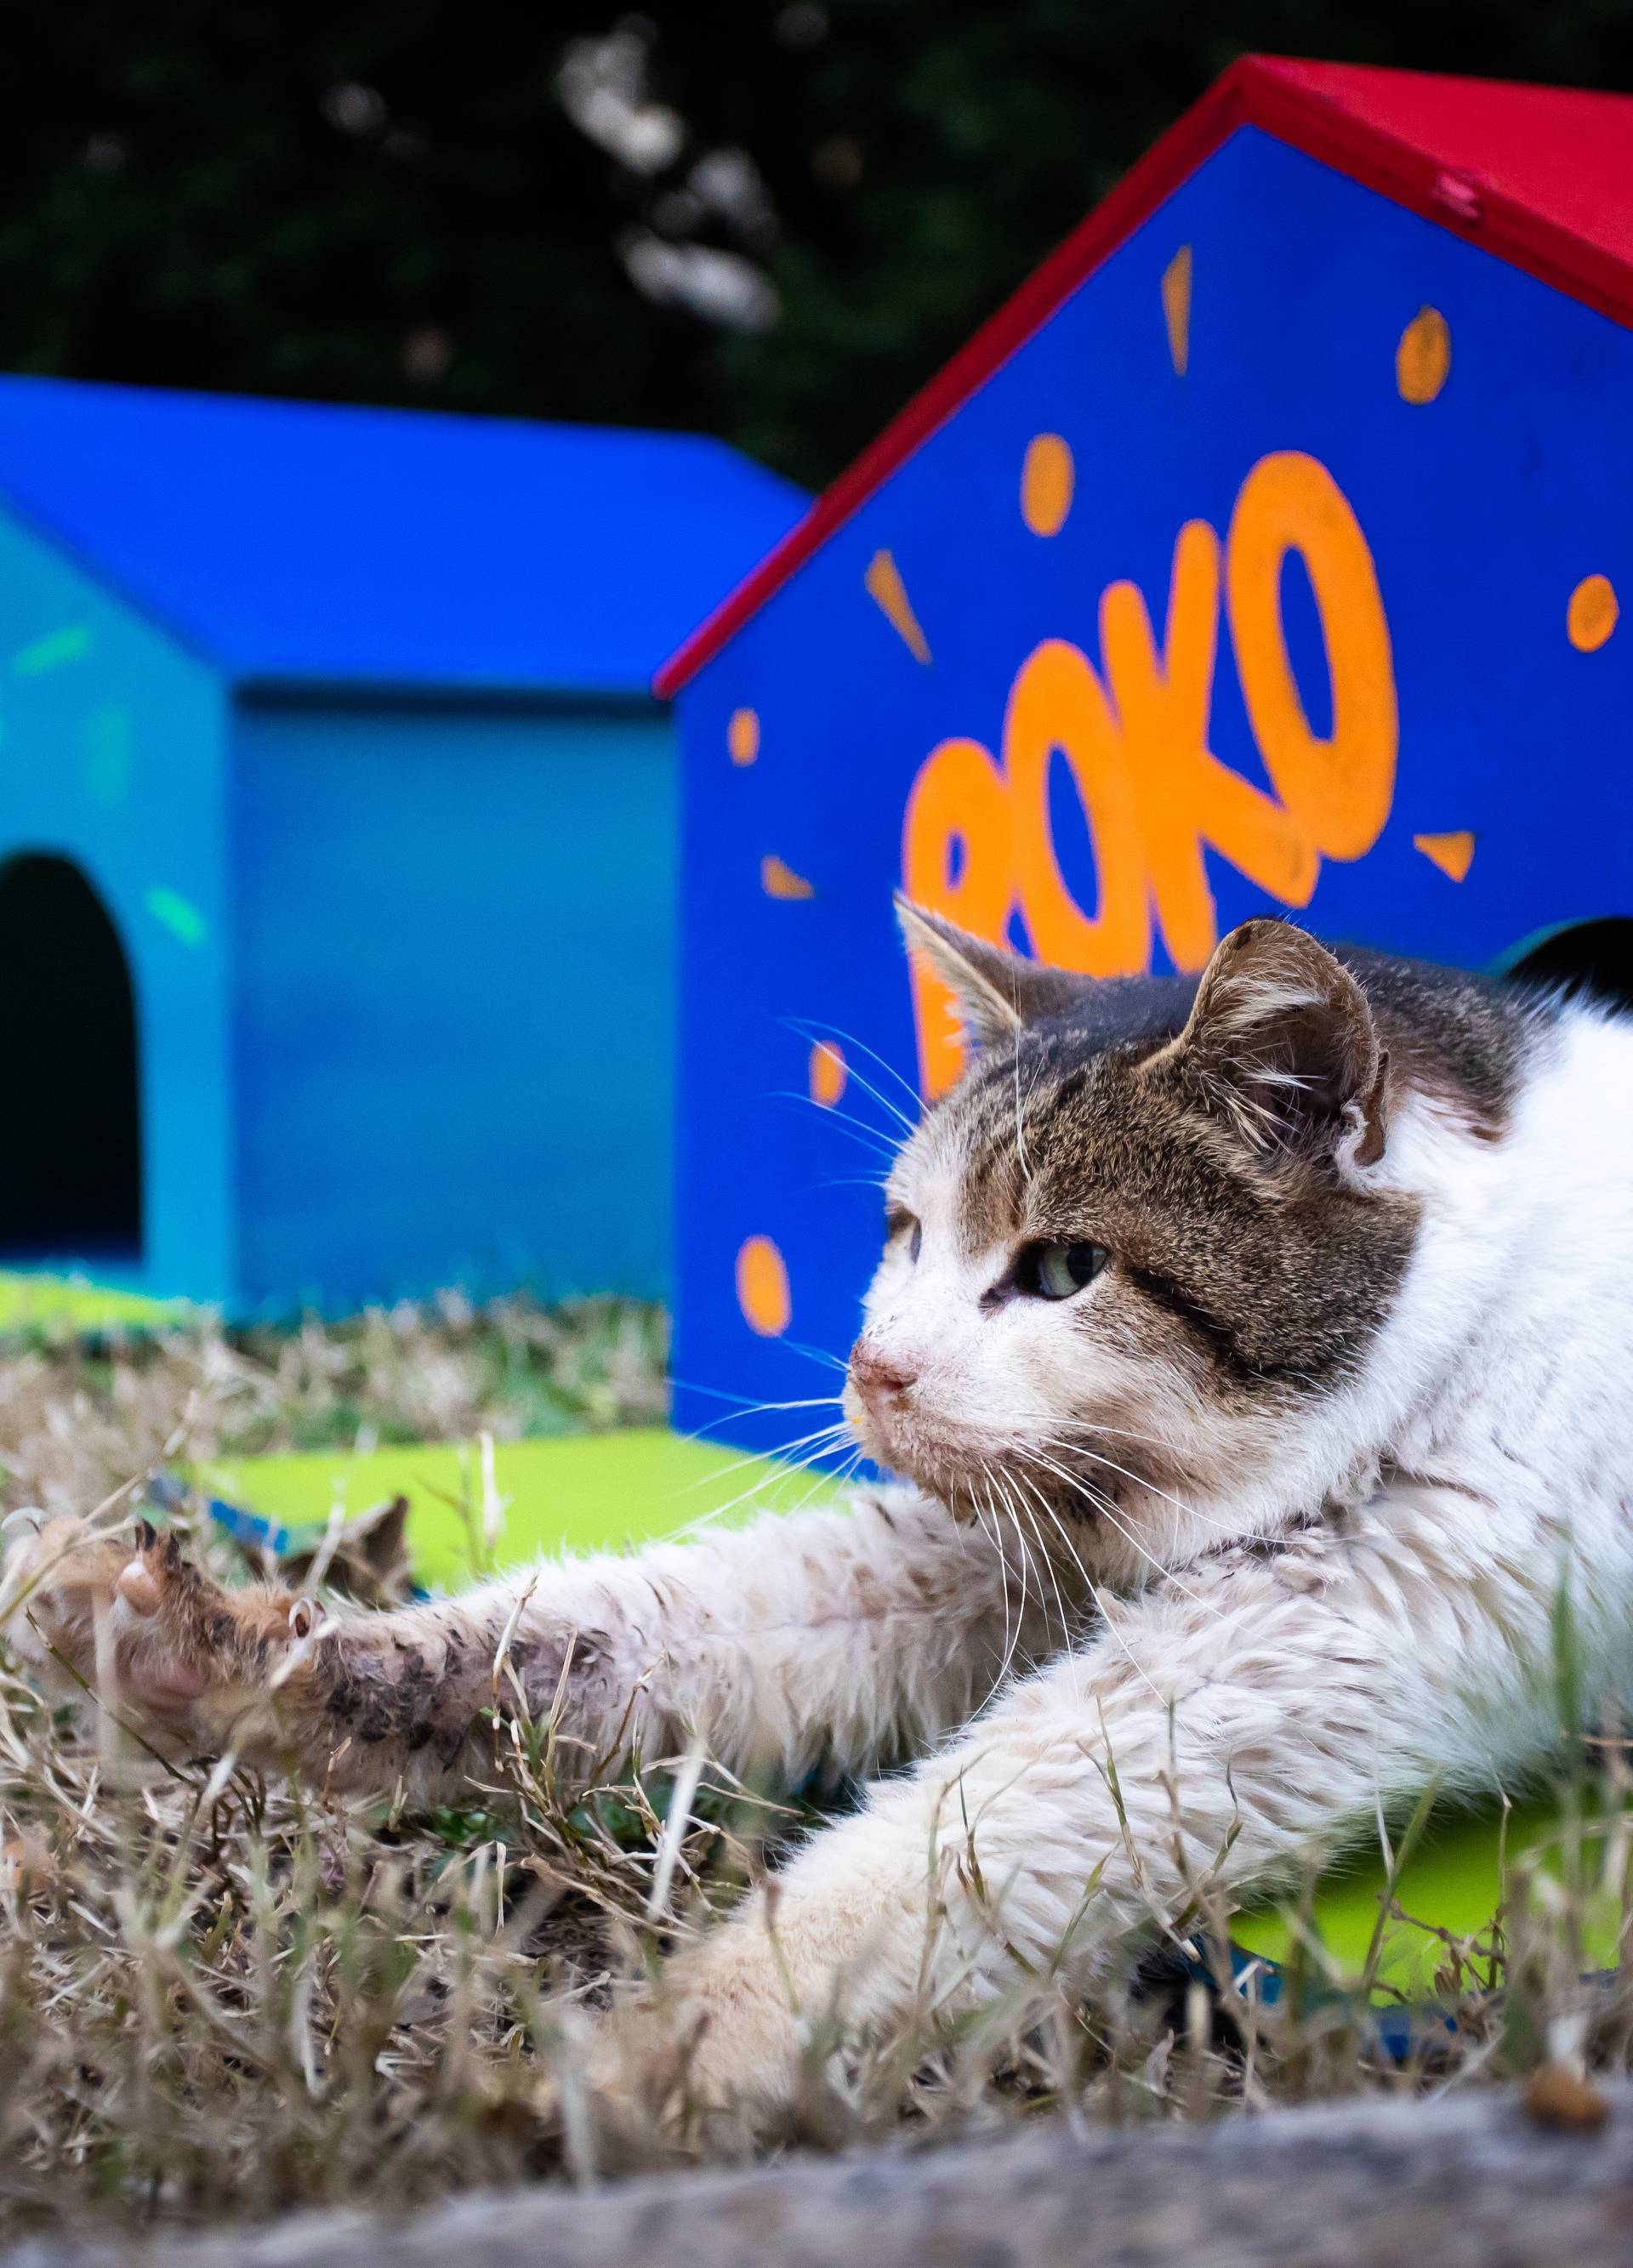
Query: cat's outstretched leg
x,y
843,1638
262,1671
1228,1723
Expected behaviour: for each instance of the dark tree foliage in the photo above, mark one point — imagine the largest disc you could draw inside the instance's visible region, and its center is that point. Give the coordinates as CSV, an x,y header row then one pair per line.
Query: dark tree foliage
x,y
406,200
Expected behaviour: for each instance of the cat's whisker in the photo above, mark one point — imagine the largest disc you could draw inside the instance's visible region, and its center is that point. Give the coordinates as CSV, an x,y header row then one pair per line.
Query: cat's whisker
x,y
1059,1525
837,1480
833,1032
765,1408
741,1403
1022,1569
836,1432
813,1446
845,1121
1021,1511
1012,1515
883,1152
1021,1109
1107,1619
1109,1511
823,1357
1012,1625
853,1078
741,1464
1020,1444
779,1461
1115,1432
723,1512
1224,1527
1003,1582
1067,1627
1166,1574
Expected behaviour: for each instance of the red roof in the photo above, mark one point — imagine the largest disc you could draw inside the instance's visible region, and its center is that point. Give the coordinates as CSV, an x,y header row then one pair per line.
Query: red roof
x,y
1540,175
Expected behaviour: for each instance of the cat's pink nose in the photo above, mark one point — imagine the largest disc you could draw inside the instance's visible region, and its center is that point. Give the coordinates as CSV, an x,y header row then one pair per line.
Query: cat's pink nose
x,y
876,1376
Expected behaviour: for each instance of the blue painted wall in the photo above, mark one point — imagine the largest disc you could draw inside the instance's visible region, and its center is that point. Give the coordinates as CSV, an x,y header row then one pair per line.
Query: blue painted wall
x,y
453,1039
111,739
1484,509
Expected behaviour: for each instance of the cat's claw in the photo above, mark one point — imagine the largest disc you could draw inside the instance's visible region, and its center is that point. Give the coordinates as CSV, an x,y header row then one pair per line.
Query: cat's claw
x,y
143,1627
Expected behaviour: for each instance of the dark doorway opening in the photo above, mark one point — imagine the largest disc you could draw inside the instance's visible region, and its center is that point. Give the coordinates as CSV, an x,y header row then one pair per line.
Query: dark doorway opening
x,y
70,1139
1595,957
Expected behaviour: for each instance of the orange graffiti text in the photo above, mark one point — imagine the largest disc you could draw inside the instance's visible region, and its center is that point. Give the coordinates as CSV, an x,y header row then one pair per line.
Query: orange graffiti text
x,y
1134,737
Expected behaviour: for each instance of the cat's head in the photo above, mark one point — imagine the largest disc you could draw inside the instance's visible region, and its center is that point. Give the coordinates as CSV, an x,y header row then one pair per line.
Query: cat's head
x,y
1143,1243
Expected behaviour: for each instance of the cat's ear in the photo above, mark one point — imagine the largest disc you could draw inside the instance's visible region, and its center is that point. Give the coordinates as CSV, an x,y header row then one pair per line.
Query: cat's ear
x,y
1282,1044
997,991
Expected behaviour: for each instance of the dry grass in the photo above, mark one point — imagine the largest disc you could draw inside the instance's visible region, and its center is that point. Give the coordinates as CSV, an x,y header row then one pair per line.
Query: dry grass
x,y
79,1418
220,1998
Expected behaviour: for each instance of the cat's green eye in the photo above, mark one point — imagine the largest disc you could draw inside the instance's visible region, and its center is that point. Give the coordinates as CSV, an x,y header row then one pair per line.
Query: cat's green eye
x,y
1054,1271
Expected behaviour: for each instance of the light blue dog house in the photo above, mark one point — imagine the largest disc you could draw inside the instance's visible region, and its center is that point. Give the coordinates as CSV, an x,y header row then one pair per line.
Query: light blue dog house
x,y
337,839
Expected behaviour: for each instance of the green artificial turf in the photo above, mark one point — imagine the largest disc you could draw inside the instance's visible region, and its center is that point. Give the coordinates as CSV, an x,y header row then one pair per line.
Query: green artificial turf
x,y
583,1493
46,1302
1455,1879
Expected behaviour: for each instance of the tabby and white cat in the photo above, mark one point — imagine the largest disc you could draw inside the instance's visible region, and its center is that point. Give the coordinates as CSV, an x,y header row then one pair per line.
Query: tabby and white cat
x,y
1257,1349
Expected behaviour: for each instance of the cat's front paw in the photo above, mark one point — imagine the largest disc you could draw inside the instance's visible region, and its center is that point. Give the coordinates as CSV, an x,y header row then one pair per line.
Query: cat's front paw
x,y
716,2035
139,1624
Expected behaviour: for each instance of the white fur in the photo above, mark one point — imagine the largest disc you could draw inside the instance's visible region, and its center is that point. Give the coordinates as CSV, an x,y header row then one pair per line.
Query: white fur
x,y
1255,1709
837,1641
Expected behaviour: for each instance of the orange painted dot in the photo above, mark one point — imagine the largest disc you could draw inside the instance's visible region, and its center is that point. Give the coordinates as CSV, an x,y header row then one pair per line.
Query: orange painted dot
x,y
828,1073
763,1287
882,581
1453,853
1424,357
1592,613
778,880
1048,478
742,736
1177,309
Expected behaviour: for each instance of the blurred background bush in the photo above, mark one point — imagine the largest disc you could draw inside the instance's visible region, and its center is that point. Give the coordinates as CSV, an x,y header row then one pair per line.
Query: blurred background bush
x,y
771,221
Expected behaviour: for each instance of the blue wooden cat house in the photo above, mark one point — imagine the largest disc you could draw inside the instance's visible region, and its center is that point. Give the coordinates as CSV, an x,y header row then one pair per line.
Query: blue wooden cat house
x,y
1265,552
337,839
